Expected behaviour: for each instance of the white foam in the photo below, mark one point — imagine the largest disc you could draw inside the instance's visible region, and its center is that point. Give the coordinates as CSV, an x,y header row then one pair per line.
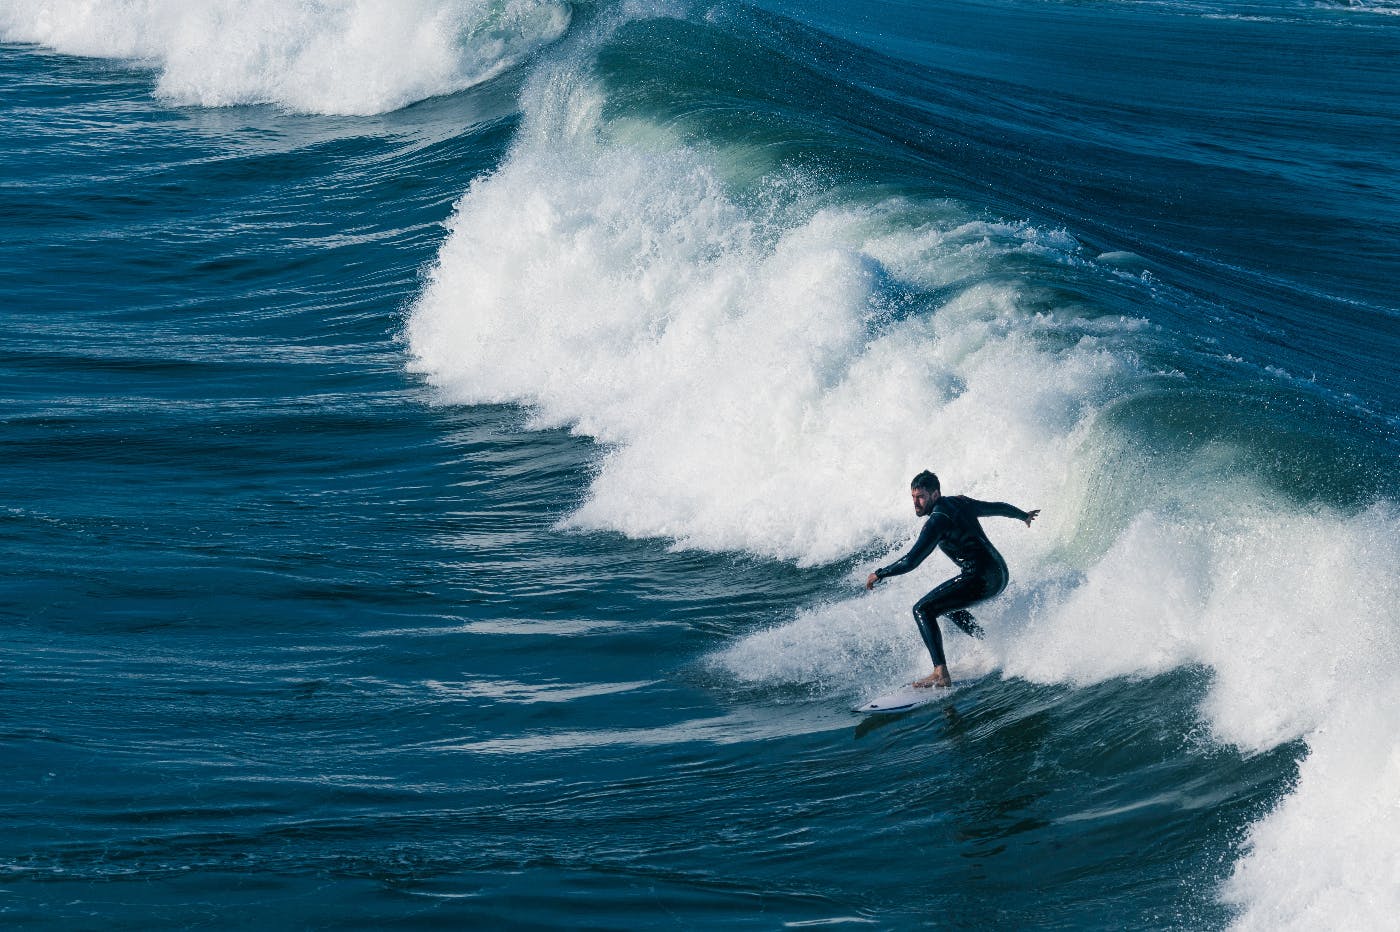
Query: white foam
x,y
316,56
756,390
735,359
1325,858
1306,643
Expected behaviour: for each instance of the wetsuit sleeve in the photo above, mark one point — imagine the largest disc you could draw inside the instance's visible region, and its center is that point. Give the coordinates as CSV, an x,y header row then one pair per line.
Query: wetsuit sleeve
x,y
928,539
996,510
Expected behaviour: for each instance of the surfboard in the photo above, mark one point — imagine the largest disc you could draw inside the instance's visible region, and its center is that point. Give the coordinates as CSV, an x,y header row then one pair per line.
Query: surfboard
x,y
905,698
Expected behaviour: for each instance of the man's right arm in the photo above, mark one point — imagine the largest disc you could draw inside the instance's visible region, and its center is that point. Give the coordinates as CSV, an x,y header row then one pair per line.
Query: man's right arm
x,y
928,539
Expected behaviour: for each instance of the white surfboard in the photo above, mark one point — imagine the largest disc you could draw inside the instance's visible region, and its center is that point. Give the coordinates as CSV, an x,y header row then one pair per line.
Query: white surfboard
x,y
905,698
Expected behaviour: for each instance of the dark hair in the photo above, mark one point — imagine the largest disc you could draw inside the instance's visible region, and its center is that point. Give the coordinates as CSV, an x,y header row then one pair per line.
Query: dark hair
x,y
926,481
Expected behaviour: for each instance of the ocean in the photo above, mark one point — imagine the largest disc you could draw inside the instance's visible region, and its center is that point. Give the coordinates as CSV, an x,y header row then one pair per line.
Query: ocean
x,y
444,441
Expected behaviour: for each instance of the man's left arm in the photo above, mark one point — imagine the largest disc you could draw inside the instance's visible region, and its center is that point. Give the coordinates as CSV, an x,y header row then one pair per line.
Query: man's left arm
x,y
1002,510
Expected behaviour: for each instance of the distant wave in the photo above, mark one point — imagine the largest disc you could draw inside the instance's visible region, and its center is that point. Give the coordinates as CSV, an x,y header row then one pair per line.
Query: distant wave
x,y
313,56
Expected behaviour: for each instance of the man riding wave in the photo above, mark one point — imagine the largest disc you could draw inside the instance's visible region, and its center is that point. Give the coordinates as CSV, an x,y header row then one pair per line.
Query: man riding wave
x,y
953,526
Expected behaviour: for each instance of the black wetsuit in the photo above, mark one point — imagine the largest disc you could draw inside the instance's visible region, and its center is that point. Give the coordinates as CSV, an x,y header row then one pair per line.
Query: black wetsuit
x,y
953,526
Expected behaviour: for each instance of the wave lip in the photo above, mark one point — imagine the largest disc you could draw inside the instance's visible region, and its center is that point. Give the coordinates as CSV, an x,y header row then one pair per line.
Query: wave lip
x,y
352,57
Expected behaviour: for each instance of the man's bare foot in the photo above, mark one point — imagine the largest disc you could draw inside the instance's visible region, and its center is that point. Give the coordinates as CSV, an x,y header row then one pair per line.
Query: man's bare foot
x,y
938,678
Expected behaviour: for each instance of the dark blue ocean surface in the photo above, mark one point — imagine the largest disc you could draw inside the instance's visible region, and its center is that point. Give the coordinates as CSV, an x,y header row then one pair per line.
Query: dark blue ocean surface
x,y
438,471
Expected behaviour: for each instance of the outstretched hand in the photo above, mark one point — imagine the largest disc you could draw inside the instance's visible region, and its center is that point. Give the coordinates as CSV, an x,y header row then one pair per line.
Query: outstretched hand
x,y
871,580
1030,516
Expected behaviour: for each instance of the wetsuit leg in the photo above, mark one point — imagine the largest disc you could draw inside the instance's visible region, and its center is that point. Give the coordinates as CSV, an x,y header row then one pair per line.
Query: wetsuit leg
x,y
951,599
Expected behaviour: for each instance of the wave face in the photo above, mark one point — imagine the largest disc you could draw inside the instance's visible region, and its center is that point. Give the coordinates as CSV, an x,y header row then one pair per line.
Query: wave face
x,y
312,56
768,349
458,514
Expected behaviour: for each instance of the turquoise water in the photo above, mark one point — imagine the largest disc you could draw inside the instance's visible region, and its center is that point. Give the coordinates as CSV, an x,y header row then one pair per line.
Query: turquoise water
x,y
439,471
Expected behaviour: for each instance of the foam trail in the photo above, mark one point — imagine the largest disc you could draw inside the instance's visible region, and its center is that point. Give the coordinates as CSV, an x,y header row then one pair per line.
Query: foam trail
x,y
314,56
767,366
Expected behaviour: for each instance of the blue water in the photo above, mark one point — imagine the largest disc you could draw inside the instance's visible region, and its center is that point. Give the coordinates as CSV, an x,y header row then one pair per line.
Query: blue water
x,y
440,497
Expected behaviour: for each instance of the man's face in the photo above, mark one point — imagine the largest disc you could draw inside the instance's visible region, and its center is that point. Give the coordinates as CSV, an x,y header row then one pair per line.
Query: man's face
x,y
923,502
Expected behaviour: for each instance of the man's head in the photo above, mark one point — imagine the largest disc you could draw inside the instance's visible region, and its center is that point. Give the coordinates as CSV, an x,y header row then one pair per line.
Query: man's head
x,y
924,490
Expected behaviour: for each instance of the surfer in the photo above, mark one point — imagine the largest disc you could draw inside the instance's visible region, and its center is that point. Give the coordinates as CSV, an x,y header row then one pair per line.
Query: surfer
x,y
952,524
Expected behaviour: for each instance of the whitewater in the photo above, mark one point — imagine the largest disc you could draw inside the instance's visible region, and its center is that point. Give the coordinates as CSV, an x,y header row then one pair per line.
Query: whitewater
x,y
758,284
